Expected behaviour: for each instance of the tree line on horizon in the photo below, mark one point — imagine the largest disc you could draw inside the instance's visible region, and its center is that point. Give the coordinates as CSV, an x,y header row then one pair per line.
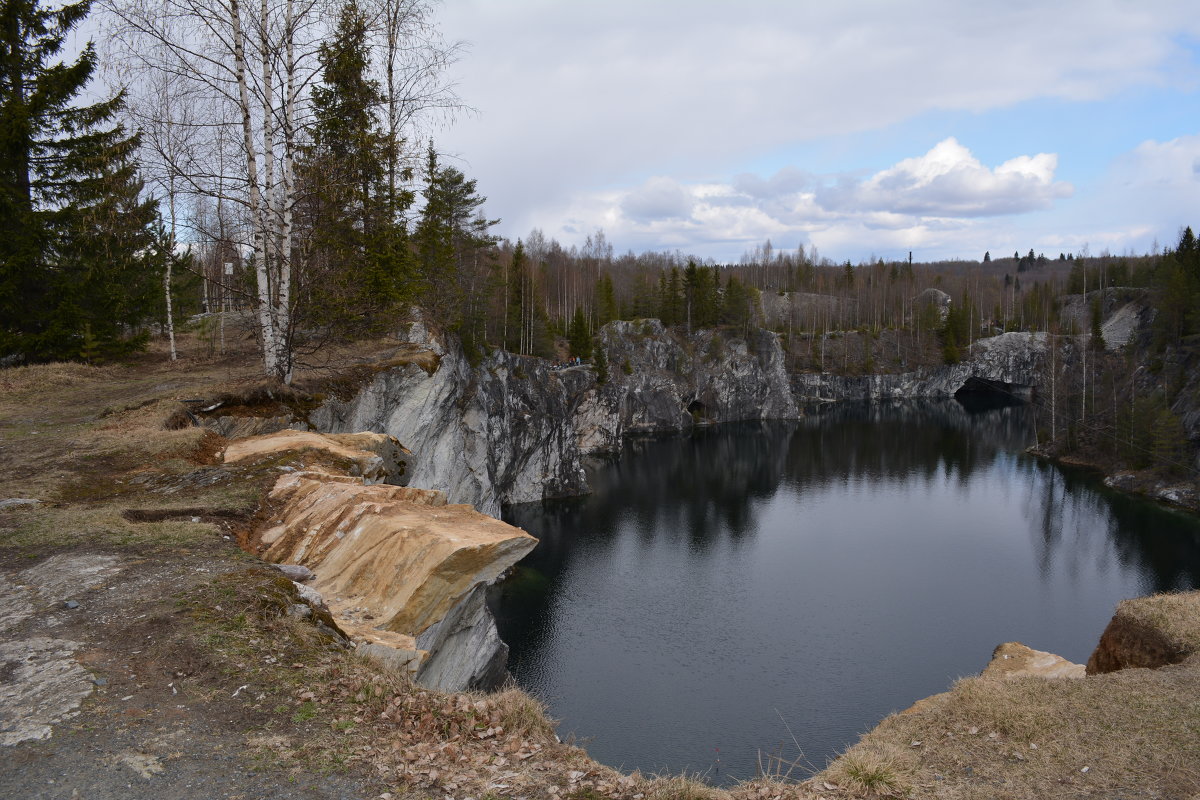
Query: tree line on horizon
x,y
269,158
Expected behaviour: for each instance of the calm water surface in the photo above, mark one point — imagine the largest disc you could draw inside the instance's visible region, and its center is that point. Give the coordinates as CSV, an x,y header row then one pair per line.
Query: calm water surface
x,y
719,589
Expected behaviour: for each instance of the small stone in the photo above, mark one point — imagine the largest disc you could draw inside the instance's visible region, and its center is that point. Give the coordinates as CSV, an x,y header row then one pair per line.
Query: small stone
x,y
17,502
100,681
1085,769
295,572
70,604
299,610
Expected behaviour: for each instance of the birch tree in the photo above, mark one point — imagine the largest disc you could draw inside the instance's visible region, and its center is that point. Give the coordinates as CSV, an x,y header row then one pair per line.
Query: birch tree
x,y
247,67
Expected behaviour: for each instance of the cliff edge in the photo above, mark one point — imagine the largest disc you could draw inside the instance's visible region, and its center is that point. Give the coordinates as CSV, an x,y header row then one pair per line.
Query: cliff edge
x,y
402,573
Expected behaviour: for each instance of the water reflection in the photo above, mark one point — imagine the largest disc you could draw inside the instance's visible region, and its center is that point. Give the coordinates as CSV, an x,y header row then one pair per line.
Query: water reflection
x,y
827,571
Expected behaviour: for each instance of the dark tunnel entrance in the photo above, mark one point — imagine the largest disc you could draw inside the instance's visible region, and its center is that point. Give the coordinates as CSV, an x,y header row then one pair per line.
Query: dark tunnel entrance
x,y
983,393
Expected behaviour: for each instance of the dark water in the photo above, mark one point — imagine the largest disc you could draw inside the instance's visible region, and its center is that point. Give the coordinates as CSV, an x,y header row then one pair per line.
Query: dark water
x,y
721,588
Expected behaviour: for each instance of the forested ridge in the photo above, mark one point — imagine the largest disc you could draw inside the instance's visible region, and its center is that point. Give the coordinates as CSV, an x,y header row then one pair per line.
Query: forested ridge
x,y
275,160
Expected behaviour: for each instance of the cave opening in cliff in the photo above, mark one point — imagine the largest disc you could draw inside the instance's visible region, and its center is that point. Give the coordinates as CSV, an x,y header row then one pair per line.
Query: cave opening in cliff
x,y
984,393
698,410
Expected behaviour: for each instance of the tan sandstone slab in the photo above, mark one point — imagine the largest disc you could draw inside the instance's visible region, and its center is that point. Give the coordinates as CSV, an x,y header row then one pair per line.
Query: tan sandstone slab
x,y
390,558
1015,660
373,456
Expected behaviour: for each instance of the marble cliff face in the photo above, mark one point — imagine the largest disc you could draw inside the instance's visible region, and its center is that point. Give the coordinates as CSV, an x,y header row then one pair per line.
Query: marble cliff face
x,y
513,429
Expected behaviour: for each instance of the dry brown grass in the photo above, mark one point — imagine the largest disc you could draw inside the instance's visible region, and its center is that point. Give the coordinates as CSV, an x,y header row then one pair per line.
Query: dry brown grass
x,y
1175,616
523,714
17,382
681,787
1134,733
874,769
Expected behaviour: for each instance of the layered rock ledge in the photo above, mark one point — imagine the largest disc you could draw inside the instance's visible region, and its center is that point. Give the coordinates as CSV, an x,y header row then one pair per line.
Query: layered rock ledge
x,y
403,573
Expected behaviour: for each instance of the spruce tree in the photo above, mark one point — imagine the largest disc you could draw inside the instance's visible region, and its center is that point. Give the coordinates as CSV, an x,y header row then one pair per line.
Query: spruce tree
x,y
578,337
606,301
75,275
449,238
359,254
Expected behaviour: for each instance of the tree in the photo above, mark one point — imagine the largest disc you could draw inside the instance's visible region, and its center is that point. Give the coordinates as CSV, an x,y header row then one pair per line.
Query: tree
x,y
600,359
414,57
606,301
453,248
358,252
578,337
1097,340
74,274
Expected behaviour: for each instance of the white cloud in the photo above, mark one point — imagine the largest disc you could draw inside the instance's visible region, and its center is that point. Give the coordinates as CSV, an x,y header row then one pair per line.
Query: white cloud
x,y
579,98
949,182
659,198
935,199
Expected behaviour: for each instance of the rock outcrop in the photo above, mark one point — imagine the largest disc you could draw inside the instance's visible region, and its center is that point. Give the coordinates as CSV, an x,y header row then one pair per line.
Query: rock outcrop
x,y
661,381
1015,660
402,572
496,433
1149,632
1011,363
374,457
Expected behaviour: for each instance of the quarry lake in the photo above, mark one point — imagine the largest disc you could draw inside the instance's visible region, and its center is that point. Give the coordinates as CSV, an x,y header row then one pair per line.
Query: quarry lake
x,y
723,591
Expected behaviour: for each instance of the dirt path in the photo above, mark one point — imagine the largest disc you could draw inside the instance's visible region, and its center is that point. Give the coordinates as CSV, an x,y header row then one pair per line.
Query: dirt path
x,y
116,696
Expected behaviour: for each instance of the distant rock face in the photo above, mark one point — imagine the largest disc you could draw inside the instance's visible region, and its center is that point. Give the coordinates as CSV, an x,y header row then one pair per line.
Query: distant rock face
x,y
662,381
1125,311
401,571
1012,362
936,298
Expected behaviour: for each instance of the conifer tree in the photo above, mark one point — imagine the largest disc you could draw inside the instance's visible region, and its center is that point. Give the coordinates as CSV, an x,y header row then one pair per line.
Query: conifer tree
x,y
453,246
358,259
578,336
606,301
75,279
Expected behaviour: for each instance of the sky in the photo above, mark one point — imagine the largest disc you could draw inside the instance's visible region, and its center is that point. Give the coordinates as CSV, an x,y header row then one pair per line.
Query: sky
x,y
863,129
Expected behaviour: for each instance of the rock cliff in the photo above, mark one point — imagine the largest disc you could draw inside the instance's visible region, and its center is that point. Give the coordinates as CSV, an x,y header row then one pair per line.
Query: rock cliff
x,y
513,428
403,573
496,433
1011,362
662,381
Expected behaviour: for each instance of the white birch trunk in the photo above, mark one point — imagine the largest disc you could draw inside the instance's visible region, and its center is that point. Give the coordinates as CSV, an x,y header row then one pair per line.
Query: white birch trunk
x,y
167,272
266,320
289,191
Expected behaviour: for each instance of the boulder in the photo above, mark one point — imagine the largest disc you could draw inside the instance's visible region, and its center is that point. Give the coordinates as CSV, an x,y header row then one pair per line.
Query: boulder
x,y
1015,660
400,570
1149,632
